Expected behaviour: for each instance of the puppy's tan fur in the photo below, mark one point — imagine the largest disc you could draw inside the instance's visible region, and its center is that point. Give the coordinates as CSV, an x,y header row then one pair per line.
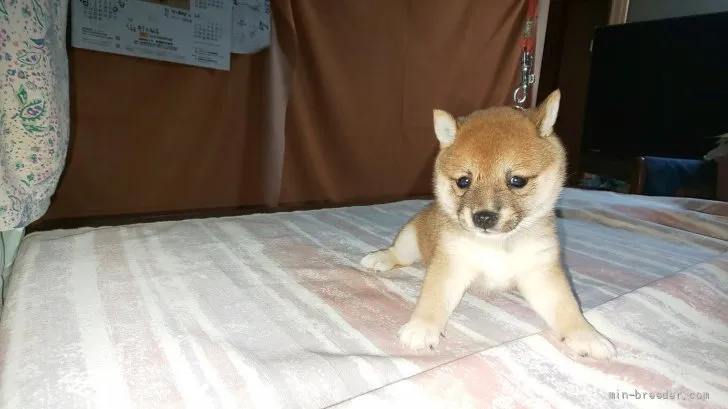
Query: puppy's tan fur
x,y
519,251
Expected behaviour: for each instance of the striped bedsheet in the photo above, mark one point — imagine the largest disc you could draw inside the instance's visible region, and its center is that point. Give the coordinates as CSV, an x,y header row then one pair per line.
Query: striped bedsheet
x,y
272,311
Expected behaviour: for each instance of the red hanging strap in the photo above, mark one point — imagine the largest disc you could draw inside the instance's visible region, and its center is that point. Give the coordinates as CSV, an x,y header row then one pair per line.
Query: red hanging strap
x,y
528,43
528,46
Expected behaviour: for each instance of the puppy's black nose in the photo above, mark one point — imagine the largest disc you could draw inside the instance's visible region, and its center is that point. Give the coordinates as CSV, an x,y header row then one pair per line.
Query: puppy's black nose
x,y
485,219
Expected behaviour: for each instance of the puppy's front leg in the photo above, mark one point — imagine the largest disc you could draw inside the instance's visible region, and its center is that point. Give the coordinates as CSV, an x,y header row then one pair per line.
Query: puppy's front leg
x,y
442,289
550,295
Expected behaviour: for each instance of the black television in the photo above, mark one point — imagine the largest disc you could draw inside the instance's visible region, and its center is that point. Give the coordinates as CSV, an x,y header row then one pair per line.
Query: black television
x,y
657,88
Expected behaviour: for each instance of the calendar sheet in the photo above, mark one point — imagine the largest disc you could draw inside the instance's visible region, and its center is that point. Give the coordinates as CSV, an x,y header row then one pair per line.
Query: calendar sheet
x,y
251,26
193,32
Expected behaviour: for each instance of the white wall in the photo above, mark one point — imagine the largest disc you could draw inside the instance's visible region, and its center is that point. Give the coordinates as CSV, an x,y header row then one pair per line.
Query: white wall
x,y
641,10
541,21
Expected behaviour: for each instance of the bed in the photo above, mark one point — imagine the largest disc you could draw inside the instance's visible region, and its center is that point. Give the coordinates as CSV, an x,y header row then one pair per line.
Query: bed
x,y
272,311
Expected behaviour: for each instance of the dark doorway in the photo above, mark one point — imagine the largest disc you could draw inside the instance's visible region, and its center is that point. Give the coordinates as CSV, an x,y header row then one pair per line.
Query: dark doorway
x,y
565,65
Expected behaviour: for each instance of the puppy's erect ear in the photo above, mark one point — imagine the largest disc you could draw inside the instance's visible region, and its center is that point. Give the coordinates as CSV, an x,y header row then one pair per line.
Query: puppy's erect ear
x,y
545,114
445,127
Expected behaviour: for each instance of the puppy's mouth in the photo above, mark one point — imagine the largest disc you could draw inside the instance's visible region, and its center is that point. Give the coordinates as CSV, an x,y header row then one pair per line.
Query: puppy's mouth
x,y
487,224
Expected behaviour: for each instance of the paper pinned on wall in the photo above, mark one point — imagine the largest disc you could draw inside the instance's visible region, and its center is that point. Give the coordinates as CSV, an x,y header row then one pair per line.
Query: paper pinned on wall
x,y
192,32
251,26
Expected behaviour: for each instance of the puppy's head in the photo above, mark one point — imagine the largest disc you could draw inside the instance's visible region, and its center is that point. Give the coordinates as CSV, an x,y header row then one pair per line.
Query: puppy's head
x,y
499,169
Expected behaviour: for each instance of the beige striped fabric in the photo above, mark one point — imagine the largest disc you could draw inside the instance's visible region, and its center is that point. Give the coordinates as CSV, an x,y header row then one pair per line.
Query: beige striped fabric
x,y
272,311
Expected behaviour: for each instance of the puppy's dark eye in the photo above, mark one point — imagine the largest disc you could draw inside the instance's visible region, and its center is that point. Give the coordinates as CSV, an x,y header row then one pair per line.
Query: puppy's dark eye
x,y
517,182
463,182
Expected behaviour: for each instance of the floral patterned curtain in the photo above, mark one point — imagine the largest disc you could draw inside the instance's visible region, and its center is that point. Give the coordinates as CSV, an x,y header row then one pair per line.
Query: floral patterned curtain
x,y
34,107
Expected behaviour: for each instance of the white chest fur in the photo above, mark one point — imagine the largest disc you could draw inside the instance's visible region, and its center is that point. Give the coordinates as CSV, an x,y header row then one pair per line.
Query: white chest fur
x,y
494,266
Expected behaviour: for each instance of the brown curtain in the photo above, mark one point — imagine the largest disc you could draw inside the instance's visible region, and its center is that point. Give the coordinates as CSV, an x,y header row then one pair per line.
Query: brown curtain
x,y
338,109
366,76
155,137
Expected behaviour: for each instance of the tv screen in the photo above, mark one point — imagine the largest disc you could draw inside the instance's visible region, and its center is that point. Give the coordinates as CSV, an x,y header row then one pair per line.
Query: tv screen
x,y
658,88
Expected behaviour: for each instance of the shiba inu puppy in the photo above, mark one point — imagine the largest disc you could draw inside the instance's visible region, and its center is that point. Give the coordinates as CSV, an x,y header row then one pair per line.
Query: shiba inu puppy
x,y
497,178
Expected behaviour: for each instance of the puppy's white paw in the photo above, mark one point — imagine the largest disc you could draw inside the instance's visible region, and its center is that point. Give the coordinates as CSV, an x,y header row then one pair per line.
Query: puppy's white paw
x,y
588,342
382,260
419,334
